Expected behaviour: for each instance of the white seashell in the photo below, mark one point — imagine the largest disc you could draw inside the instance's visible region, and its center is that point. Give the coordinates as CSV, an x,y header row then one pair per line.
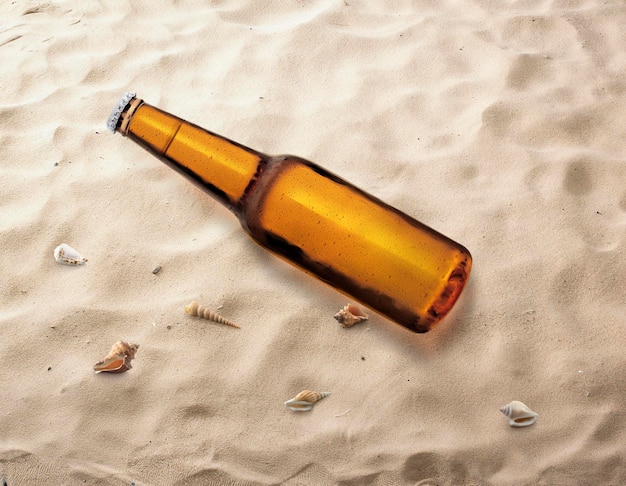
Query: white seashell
x,y
519,414
199,310
303,401
65,254
350,315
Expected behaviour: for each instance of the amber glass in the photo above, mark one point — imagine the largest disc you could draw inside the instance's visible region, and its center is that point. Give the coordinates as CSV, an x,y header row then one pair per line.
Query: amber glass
x,y
374,253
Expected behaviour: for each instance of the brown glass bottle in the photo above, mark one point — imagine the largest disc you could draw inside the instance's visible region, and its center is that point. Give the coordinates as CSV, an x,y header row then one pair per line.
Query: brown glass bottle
x,y
347,238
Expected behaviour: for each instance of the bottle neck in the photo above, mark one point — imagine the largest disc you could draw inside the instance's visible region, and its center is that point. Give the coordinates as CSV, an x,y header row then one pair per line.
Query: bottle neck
x,y
225,169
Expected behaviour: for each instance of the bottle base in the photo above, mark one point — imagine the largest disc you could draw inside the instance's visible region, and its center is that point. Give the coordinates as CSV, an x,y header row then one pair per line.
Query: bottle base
x,y
450,294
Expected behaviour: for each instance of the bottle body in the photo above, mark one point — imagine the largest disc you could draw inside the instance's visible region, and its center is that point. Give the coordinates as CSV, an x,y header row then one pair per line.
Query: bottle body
x,y
355,242
315,220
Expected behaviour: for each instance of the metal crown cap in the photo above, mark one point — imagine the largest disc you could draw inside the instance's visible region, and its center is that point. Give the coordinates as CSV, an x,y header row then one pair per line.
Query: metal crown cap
x,y
120,106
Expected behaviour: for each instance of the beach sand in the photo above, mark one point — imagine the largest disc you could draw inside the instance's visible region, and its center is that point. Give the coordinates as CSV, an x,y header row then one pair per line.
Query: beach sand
x,y
500,124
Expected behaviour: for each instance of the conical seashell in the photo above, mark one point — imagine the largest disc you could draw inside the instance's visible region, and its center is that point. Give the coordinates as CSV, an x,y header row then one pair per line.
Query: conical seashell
x,y
304,400
196,309
67,255
118,359
519,414
350,315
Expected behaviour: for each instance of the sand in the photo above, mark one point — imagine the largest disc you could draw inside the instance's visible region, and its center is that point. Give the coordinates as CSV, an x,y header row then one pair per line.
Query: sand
x,y
500,124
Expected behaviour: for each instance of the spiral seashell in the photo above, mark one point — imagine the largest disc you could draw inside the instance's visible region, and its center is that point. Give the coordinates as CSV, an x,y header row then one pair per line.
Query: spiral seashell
x,y
350,315
119,358
66,255
303,401
519,414
199,310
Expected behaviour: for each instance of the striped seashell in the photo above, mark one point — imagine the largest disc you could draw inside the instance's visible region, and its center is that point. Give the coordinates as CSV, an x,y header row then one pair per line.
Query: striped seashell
x,y
519,414
303,401
350,315
119,358
66,255
199,310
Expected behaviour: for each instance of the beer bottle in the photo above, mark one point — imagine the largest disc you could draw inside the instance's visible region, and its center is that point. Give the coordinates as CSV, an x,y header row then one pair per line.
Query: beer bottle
x,y
312,218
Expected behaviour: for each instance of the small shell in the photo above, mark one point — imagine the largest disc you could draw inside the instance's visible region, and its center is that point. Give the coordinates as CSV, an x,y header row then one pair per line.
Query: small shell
x,y
196,309
350,315
119,358
519,414
66,255
304,400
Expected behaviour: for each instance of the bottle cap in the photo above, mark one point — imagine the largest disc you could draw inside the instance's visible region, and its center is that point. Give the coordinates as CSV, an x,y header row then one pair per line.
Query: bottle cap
x,y
120,106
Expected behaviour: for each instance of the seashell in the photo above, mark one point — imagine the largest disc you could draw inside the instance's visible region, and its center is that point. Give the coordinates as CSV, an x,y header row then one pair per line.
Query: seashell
x,y
67,255
519,414
304,400
199,310
350,315
119,358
